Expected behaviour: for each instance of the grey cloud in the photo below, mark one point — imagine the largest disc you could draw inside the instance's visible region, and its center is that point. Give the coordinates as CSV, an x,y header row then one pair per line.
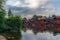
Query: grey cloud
x,y
28,11
25,10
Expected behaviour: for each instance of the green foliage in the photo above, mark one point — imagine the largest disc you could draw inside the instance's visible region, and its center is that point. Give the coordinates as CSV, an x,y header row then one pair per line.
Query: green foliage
x,y
53,16
24,29
54,33
14,24
35,32
2,15
11,25
10,13
23,20
35,17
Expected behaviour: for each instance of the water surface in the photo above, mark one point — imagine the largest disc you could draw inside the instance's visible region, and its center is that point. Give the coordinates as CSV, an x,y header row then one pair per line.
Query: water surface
x,y
40,36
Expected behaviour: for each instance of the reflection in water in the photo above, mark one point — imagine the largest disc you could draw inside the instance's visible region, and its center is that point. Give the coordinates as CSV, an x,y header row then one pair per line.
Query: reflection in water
x,y
40,36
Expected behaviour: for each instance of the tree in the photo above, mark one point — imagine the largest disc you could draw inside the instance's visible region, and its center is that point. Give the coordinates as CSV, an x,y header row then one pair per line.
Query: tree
x,y
9,12
24,19
54,33
2,15
11,24
53,16
35,17
15,24
35,32
23,24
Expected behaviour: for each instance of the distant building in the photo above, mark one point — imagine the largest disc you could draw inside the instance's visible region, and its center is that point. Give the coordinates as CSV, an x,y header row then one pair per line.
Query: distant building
x,y
56,21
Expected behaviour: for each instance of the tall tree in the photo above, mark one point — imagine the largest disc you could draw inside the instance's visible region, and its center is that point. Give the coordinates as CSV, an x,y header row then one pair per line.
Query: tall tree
x,y
9,12
2,14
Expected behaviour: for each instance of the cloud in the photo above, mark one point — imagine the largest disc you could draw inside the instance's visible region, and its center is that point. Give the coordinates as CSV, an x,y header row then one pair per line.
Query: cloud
x,y
27,12
35,3
18,3
28,3
45,7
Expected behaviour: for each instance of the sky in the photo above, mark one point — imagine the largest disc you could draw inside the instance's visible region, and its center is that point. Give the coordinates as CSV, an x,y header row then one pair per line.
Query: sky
x,y
28,8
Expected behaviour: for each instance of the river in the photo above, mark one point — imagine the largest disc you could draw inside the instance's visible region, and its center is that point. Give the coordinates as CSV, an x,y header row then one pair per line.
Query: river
x,y
40,36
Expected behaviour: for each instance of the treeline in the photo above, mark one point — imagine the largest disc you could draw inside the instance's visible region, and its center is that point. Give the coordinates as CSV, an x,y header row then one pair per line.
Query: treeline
x,y
39,23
